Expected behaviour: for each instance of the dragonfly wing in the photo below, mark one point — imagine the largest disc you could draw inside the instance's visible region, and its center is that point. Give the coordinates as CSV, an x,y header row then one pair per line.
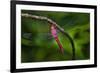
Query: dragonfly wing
x,y
49,36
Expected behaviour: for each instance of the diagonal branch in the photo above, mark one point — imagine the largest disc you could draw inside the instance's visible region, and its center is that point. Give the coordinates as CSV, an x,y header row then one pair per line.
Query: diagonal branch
x,y
43,18
56,25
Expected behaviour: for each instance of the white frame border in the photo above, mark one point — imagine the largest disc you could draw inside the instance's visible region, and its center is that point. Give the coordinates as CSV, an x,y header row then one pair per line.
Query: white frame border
x,y
20,65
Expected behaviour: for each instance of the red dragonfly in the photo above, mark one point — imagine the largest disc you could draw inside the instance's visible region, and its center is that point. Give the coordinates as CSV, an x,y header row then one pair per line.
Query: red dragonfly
x,y
54,34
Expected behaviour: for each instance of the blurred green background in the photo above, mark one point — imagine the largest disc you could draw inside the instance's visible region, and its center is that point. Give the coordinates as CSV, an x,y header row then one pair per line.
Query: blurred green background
x,y
37,44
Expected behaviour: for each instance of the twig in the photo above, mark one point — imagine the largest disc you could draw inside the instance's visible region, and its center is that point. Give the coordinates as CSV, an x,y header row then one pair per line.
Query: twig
x,y
56,25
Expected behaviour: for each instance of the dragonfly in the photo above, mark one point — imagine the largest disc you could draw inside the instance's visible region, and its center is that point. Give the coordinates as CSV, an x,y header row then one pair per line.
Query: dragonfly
x,y
53,30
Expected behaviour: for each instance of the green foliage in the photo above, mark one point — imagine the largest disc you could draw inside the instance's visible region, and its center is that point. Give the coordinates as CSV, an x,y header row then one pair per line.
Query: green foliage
x,y
37,45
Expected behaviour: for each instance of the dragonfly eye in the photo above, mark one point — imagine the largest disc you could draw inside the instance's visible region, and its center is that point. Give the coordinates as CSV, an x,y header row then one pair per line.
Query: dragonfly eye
x,y
52,27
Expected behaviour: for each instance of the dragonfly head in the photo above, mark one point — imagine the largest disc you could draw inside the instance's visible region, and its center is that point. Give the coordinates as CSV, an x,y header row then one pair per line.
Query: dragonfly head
x,y
52,27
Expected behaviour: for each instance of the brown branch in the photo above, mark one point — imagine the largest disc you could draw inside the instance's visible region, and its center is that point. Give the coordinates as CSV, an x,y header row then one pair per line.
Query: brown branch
x,y
56,25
